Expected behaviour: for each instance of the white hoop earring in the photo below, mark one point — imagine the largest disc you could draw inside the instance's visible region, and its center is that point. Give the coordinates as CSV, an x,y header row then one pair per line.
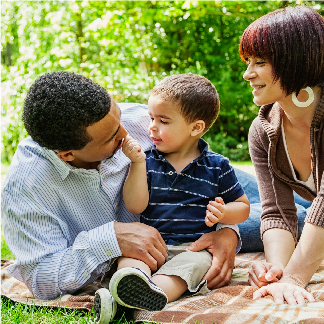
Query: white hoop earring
x,y
306,103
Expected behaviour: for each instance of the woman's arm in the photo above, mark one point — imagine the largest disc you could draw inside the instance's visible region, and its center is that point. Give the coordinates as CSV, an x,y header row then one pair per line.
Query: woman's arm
x,y
305,260
307,256
135,191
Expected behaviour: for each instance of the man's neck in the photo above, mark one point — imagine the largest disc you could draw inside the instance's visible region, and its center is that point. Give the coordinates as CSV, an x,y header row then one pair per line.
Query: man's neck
x,y
84,165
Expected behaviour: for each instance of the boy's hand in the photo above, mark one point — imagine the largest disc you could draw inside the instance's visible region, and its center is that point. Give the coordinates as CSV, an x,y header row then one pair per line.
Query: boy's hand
x,y
132,149
215,211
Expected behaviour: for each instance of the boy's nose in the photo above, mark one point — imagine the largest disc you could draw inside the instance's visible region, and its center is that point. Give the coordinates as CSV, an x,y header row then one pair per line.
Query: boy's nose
x,y
152,126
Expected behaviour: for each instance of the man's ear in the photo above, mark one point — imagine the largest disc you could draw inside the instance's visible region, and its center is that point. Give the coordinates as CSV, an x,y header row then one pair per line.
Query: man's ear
x,y
67,156
198,127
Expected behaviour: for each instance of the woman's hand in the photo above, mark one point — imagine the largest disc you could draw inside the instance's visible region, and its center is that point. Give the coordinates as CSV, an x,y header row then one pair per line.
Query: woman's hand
x,y
263,273
215,211
284,290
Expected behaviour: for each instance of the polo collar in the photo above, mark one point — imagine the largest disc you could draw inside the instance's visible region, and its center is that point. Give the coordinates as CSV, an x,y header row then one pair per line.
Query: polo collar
x,y
202,144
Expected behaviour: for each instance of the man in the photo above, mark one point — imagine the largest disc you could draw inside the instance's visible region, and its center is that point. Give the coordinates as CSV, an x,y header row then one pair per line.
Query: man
x,y
62,210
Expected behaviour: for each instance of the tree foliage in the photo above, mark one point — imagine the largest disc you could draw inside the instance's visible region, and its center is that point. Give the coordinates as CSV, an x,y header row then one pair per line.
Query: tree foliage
x,y
127,47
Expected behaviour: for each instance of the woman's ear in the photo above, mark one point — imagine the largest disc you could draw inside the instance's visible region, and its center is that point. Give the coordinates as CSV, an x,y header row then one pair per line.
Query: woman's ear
x,y
198,127
67,156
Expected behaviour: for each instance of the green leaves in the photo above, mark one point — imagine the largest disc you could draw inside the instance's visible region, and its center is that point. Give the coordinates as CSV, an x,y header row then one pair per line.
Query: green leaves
x,y
127,47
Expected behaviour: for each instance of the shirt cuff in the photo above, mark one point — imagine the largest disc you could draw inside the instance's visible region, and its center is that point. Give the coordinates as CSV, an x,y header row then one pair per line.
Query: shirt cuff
x,y
103,242
236,230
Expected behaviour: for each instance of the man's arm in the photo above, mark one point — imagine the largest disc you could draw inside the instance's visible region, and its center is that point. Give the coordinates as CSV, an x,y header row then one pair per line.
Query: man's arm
x,y
51,262
44,260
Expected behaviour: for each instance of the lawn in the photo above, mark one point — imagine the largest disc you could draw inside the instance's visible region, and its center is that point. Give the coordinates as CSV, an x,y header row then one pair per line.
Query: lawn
x,y
12,312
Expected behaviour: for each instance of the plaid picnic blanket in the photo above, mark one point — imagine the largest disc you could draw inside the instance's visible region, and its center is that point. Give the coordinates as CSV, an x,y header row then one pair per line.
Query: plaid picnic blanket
x,y
228,305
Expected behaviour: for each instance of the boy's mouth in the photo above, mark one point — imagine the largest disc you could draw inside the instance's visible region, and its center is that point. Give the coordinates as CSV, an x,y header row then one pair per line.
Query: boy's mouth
x,y
156,140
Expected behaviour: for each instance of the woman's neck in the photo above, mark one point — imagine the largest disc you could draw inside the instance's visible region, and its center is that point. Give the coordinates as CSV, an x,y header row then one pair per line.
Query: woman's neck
x,y
300,117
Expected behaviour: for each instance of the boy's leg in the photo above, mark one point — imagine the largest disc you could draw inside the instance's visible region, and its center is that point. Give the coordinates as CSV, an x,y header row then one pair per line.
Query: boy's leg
x,y
183,271
124,262
131,286
173,286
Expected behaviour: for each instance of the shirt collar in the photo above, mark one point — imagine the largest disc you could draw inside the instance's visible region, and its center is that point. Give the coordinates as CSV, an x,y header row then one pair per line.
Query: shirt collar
x,y
202,144
62,167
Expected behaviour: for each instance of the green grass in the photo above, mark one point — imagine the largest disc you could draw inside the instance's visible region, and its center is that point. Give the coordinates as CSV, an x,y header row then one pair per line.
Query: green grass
x,y
12,312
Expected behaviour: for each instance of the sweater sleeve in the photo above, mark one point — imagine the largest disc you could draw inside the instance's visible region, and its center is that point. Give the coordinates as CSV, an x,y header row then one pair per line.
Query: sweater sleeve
x,y
277,200
315,215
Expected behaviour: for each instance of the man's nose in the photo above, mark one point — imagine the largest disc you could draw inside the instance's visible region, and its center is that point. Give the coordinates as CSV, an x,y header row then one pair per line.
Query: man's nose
x,y
122,132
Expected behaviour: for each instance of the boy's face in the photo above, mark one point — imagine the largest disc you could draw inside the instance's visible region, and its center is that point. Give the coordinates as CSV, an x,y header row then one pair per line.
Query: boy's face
x,y
169,131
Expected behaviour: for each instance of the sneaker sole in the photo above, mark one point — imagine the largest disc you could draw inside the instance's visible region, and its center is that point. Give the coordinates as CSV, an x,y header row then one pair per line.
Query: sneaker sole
x,y
104,306
135,291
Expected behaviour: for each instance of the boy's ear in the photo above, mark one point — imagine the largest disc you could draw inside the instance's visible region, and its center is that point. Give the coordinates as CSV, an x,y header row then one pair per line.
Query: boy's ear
x,y
67,156
198,127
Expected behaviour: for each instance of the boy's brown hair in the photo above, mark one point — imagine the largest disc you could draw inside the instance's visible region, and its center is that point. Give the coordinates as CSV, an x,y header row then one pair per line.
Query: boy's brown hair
x,y
195,96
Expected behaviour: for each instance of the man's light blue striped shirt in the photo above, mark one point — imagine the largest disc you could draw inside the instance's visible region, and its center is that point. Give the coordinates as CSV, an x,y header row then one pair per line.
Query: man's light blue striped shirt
x,y
59,220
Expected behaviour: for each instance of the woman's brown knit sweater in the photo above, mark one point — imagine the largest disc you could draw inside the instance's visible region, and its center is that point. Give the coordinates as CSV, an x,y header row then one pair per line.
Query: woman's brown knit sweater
x,y
274,175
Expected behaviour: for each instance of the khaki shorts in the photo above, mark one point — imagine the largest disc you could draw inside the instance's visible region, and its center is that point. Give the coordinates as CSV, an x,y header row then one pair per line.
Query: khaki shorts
x,y
190,266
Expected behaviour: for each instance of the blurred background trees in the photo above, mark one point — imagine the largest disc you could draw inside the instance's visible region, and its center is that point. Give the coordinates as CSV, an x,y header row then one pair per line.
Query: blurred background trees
x,y
127,47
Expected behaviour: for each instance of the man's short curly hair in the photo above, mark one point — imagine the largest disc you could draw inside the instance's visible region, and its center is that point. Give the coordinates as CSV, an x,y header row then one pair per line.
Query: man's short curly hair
x,y
60,106
195,96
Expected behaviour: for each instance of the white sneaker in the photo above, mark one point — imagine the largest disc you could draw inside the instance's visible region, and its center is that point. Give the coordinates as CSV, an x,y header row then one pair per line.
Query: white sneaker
x,y
131,287
105,307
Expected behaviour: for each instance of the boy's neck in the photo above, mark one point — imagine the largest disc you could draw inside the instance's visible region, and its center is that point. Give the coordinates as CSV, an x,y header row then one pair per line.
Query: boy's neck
x,y
180,159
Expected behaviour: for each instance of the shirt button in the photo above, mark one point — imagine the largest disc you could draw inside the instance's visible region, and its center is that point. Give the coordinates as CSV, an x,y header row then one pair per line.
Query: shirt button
x,y
171,172
85,275
108,253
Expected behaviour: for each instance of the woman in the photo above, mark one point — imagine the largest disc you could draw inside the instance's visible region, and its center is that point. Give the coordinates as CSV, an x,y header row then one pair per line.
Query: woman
x,y
284,52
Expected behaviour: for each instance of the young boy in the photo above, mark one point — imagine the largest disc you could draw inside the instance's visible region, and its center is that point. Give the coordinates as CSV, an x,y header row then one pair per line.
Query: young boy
x,y
173,187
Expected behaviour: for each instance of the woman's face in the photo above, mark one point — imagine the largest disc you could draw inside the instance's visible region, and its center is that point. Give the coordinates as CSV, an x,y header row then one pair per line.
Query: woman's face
x,y
265,90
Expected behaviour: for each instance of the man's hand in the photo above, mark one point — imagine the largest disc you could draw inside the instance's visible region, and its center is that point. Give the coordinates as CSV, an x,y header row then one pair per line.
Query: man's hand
x,y
142,242
222,245
263,273
215,211
132,149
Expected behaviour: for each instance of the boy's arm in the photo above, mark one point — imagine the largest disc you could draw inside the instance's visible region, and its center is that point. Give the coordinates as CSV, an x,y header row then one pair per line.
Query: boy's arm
x,y
230,213
135,191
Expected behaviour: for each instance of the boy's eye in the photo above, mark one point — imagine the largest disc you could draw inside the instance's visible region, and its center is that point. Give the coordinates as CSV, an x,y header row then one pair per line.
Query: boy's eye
x,y
163,122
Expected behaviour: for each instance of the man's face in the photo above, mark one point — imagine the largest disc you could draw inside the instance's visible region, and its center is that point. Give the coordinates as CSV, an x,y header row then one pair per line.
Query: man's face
x,y
107,138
